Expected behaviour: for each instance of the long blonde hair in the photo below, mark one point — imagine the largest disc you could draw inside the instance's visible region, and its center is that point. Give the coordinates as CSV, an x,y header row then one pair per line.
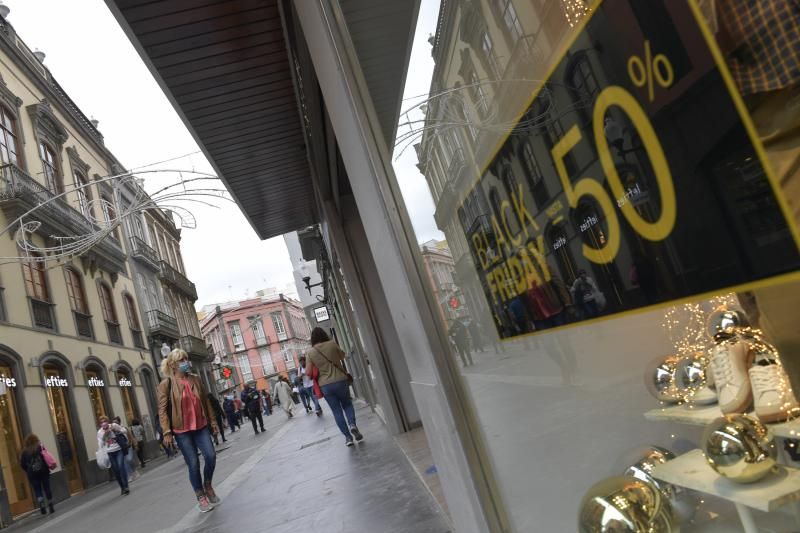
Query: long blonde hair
x,y
171,361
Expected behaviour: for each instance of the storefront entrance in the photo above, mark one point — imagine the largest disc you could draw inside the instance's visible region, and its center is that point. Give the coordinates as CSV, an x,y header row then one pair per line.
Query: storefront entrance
x,y
61,415
126,391
96,384
20,499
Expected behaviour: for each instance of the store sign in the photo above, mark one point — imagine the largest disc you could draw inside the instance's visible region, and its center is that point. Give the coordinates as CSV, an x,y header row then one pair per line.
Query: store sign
x,y
55,381
321,314
95,382
632,178
8,382
124,382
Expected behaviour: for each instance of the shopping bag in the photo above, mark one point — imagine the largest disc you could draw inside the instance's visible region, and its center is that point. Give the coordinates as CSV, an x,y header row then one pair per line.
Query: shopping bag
x,y
49,459
103,460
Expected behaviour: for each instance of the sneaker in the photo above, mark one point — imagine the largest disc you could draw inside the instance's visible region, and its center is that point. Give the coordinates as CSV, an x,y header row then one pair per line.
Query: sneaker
x,y
356,433
349,443
212,496
126,491
42,507
772,393
729,364
203,505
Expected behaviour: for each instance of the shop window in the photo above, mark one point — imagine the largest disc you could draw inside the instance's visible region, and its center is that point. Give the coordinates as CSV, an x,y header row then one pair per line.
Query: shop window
x,y
50,167
96,384
133,321
109,314
17,488
8,137
57,388
33,271
126,391
78,303
148,382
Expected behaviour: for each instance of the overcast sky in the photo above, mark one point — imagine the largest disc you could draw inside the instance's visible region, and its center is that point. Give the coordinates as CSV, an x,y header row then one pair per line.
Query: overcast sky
x,y
93,60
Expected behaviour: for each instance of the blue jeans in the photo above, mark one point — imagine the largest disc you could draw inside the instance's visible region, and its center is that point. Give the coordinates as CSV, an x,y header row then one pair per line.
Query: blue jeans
x,y
337,394
117,460
310,392
189,443
41,487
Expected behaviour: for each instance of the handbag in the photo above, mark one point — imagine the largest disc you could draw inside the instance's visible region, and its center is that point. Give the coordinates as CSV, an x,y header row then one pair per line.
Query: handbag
x,y
335,365
123,442
49,459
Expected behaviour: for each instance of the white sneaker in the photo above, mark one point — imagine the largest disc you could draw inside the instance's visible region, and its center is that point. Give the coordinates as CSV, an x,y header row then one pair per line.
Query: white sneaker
x,y
772,393
729,365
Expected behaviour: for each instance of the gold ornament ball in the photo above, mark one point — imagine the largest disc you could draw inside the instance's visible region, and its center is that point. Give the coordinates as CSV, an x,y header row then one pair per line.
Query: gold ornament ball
x,y
624,504
740,448
660,378
684,502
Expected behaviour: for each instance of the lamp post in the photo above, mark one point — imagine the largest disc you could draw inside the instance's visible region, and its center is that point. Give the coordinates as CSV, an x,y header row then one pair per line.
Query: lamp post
x,y
305,275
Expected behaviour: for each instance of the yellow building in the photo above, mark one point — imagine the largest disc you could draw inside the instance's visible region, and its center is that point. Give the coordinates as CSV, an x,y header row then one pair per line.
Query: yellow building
x,y
73,343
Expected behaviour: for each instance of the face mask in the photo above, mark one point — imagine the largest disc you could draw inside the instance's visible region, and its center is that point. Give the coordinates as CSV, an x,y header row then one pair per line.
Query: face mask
x,y
185,367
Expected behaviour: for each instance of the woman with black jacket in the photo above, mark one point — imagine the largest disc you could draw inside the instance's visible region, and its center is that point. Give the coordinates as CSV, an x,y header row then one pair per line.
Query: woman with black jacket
x,y
33,463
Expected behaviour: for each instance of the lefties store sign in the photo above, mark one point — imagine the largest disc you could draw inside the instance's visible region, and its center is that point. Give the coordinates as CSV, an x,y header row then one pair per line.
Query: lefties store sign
x,y
56,381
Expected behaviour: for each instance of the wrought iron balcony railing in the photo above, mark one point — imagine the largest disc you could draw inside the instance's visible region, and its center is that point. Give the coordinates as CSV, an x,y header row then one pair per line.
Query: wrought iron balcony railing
x,y
144,252
162,324
178,280
194,345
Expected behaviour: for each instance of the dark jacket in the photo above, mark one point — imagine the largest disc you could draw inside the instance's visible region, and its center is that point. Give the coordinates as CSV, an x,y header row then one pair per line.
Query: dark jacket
x,y
228,407
215,406
25,462
251,399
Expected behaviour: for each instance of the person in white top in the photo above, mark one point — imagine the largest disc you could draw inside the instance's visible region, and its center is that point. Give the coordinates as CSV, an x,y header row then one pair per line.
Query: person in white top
x,y
108,439
308,385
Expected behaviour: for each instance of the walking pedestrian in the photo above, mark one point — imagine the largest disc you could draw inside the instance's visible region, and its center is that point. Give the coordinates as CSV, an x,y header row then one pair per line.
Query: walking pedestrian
x,y
267,402
252,402
133,474
326,357
229,408
185,413
308,385
113,439
283,393
218,417
138,435
35,465
301,392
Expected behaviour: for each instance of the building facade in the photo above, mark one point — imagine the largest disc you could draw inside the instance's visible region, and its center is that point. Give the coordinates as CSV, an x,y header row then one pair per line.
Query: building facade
x,y
74,337
260,339
440,268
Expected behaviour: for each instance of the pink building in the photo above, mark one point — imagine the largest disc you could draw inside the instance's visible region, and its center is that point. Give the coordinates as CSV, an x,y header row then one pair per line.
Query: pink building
x,y
260,339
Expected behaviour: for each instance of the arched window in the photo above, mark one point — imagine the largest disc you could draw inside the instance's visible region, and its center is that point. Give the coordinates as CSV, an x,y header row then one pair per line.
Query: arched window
x,y
109,313
8,137
83,192
97,384
583,86
126,391
133,321
33,271
52,176
533,175
559,243
78,303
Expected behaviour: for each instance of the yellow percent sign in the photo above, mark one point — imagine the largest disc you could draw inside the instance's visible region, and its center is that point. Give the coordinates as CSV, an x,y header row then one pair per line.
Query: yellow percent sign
x,y
650,69
642,72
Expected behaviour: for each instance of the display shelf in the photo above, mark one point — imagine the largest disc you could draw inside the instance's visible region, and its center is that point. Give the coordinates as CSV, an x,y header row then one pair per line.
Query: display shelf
x,y
690,470
701,415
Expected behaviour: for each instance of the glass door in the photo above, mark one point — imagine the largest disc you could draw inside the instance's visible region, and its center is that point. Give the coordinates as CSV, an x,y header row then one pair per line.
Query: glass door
x,y
65,433
126,392
20,499
96,396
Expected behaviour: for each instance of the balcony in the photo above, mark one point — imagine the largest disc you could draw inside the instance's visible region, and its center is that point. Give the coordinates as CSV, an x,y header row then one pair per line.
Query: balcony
x,y
161,324
144,253
194,346
19,193
177,280
526,59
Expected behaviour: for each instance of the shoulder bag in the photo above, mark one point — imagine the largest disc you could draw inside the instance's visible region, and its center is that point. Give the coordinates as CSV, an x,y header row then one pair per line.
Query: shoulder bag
x,y
338,367
49,459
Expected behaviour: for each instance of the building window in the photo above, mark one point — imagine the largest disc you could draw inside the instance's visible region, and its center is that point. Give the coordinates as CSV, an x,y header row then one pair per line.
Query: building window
x,y
280,331
110,215
510,18
244,367
109,314
583,87
236,335
84,195
487,46
258,330
126,391
133,321
479,97
52,176
8,137
33,270
266,361
533,175
288,358
78,303
96,386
